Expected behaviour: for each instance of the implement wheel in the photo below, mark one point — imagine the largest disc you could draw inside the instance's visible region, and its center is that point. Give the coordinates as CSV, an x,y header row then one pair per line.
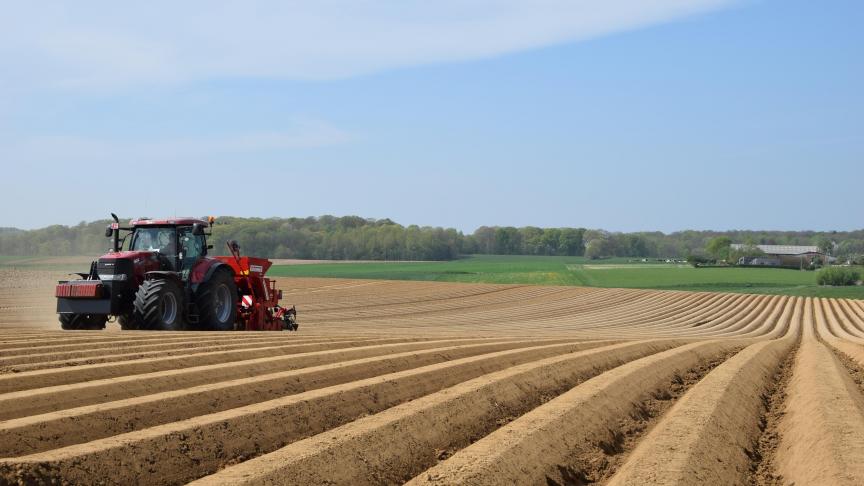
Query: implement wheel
x,y
217,302
159,305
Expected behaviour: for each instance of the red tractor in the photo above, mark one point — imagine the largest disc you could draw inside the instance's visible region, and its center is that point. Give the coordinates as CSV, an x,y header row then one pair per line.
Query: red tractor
x,y
164,280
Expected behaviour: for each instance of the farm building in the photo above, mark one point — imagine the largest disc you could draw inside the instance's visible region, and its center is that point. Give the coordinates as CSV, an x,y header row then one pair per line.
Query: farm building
x,y
797,256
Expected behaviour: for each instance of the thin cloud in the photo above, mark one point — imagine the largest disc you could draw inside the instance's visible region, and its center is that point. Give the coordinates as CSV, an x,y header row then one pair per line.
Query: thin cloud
x,y
104,44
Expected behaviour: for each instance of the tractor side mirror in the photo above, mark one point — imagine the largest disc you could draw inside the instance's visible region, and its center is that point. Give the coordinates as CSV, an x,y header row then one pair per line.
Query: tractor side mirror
x,y
198,229
108,232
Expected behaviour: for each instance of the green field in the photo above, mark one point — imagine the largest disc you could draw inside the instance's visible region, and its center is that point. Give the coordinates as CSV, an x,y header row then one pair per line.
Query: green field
x,y
580,271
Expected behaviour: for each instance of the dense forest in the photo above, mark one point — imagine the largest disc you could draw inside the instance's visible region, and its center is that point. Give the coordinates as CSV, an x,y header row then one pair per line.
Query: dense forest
x,y
356,238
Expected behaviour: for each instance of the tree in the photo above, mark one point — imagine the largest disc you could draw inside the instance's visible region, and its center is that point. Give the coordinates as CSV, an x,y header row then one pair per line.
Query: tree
x,y
825,245
508,241
550,241
485,238
633,246
696,260
531,237
571,242
719,247
598,248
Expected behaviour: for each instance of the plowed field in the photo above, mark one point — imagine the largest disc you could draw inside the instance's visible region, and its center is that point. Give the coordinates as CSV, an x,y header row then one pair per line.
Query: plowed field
x,y
441,383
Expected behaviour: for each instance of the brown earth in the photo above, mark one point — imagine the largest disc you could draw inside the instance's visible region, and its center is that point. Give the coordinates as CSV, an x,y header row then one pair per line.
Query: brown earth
x,y
423,382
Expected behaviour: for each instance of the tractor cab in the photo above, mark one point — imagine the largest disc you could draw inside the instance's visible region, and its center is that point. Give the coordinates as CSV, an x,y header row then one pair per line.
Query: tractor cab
x,y
179,244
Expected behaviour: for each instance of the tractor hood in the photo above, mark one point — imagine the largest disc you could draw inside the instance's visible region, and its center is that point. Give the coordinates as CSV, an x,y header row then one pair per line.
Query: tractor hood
x,y
135,256
132,264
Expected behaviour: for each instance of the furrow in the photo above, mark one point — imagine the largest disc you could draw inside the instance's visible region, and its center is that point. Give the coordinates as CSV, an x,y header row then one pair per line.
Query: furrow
x,y
52,353
710,435
60,397
37,433
184,450
396,444
60,376
21,364
528,449
123,342
763,471
822,432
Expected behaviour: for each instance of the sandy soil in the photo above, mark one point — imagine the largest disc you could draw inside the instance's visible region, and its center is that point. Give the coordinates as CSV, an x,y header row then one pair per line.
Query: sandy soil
x,y
424,382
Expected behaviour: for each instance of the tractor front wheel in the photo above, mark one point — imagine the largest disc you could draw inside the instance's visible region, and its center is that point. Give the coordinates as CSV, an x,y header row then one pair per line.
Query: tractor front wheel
x,y
159,305
216,300
83,322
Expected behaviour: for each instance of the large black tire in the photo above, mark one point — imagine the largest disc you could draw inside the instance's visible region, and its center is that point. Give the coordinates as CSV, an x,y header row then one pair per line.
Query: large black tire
x,y
216,300
83,322
159,305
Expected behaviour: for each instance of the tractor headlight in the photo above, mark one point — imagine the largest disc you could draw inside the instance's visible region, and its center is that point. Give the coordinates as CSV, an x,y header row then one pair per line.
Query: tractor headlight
x,y
117,277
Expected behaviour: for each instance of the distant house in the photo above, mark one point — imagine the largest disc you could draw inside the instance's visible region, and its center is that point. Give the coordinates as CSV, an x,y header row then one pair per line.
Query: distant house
x,y
796,256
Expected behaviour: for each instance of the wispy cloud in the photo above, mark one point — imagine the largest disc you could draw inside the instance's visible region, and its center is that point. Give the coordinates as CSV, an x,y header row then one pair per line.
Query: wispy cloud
x,y
103,44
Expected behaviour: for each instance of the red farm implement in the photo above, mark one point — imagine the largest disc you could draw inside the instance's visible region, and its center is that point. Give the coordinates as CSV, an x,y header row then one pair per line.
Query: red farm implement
x,y
259,308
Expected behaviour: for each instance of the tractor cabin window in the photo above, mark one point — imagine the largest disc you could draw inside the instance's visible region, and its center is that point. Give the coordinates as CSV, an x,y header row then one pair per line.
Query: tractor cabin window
x,y
191,245
155,239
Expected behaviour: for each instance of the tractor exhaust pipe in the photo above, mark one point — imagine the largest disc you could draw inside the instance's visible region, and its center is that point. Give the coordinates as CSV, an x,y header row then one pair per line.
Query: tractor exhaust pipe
x,y
115,229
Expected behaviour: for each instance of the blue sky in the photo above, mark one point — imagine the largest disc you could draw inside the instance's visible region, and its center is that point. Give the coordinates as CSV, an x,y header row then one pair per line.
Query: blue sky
x,y
619,114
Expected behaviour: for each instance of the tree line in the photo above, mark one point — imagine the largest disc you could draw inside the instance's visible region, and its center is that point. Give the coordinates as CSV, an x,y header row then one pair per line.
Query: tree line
x,y
356,238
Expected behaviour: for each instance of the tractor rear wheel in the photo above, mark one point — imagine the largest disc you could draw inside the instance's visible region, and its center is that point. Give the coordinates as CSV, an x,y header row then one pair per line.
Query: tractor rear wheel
x,y
159,305
216,300
83,322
